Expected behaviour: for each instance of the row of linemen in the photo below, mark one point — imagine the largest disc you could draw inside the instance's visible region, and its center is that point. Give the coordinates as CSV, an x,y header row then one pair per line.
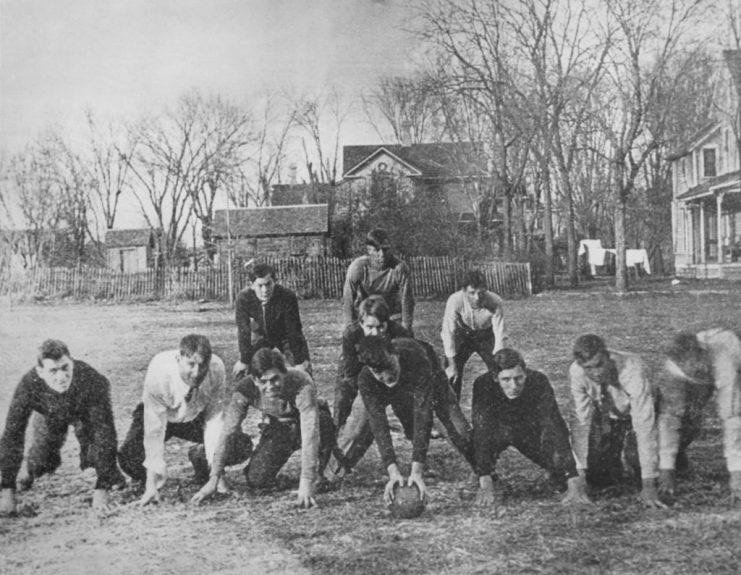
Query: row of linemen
x,y
618,410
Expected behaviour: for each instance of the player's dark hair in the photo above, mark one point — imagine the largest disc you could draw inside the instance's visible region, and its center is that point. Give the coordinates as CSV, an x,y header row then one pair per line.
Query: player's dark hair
x,y
587,346
266,359
375,306
195,343
53,349
378,238
473,278
506,358
261,271
684,346
376,351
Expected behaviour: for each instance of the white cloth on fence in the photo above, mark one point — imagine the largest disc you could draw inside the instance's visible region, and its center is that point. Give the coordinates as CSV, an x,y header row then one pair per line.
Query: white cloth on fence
x,y
635,257
595,253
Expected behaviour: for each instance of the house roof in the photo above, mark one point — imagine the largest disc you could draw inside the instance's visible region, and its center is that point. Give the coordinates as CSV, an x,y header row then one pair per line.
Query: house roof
x,y
442,160
128,238
305,219
733,61
692,142
711,185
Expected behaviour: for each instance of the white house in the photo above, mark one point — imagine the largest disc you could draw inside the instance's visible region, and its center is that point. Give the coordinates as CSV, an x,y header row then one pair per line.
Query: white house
x,y
706,206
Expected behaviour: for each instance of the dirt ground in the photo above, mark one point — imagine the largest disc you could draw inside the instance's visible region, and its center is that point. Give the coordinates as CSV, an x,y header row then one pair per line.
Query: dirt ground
x,y
351,531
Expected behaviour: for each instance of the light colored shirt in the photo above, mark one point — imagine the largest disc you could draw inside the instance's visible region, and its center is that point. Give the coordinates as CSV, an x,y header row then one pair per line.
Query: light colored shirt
x,y
724,347
164,402
394,283
632,394
460,316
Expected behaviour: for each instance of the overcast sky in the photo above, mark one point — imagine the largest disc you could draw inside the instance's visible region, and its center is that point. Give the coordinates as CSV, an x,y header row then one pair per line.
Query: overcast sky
x,y
122,57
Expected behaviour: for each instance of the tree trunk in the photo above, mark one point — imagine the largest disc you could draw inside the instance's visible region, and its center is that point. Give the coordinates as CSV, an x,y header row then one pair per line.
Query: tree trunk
x,y
621,272
550,277
571,241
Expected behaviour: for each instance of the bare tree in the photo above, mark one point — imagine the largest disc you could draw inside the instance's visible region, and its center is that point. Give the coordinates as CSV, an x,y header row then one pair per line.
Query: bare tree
x,y
253,181
644,37
409,106
107,148
320,118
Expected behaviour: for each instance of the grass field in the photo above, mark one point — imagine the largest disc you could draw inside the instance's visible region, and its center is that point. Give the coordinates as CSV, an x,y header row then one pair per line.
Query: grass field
x,y
351,532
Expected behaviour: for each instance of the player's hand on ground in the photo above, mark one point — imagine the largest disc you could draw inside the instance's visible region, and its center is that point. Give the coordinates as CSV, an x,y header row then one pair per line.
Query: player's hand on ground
x,y
576,493
649,495
150,496
7,503
100,499
211,486
306,495
238,368
735,486
666,483
395,478
486,495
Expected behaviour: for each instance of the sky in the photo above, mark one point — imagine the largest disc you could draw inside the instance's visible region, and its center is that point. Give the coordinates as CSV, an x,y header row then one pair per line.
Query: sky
x,y
127,57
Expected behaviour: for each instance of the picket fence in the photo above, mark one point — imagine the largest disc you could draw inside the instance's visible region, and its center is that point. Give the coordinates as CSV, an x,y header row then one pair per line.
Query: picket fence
x,y
322,278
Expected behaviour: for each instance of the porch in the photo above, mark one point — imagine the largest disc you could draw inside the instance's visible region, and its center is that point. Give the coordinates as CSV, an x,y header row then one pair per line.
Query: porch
x,y
707,240
729,271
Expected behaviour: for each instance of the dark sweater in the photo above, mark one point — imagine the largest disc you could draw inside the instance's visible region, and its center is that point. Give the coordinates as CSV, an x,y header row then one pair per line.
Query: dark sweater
x,y
86,401
277,325
414,389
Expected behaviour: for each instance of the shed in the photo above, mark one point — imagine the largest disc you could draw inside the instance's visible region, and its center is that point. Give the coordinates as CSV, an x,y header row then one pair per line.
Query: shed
x,y
130,251
275,231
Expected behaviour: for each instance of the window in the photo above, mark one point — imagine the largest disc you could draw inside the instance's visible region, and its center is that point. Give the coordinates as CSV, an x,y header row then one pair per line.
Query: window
x,y
708,162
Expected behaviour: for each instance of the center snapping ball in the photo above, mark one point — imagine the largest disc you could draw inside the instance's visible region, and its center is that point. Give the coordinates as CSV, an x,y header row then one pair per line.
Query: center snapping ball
x,y
407,503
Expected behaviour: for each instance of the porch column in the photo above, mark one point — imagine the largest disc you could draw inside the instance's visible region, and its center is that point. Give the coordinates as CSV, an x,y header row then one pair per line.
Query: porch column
x,y
703,258
719,215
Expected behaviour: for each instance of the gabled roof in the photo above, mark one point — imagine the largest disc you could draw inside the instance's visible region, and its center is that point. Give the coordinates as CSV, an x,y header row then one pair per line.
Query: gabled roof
x,y
306,219
128,238
711,185
442,160
696,139
733,61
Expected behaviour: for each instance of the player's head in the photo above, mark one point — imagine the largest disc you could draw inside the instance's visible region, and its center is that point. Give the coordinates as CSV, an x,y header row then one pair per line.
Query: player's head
x,y
268,369
378,247
473,286
55,366
690,356
508,369
194,359
590,352
262,277
373,315
381,358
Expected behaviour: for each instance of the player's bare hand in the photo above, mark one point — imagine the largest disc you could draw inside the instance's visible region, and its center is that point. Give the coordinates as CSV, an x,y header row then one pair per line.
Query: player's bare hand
x,y
649,495
8,506
487,495
238,368
206,491
576,494
666,483
100,499
150,496
395,478
306,495
735,486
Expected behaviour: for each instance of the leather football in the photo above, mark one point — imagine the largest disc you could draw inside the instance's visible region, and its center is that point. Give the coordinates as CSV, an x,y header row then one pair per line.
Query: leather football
x,y
407,503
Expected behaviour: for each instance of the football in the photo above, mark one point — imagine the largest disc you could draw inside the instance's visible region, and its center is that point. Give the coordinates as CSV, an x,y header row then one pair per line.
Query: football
x,y
407,503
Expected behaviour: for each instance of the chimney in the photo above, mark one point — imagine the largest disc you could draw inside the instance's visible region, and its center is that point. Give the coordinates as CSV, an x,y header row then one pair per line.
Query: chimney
x,y
292,169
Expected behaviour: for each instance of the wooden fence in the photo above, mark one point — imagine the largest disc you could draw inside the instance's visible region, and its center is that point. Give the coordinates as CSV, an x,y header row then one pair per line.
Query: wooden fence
x,y
310,278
